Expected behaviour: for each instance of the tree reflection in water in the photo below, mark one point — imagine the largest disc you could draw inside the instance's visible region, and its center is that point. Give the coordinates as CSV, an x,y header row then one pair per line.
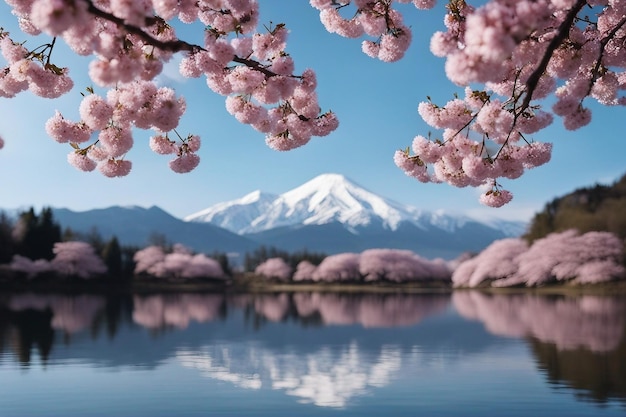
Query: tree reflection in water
x,y
576,341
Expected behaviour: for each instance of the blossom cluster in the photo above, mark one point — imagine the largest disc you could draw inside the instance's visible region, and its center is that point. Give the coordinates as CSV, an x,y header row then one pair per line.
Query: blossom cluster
x,y
31,70
179,264
460,160
522,51
73,258
371,265
376,19
509,55
130,42
261,89
559,257
110,120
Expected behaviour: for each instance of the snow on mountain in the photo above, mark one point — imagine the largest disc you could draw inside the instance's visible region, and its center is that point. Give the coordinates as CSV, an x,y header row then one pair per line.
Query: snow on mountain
x,y
235,215
328,198
324,199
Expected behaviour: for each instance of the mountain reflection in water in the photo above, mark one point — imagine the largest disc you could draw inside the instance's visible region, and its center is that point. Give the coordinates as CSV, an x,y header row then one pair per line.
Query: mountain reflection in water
x,y
325,349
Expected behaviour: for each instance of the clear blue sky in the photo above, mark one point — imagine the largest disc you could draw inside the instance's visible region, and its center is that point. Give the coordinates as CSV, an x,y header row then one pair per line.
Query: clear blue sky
x,y
377,107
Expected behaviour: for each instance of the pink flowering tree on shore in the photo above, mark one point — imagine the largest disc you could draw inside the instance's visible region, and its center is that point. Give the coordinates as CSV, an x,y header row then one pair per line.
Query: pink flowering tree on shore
x,y
181,263
339,267
400,265
73,259
507,55
567,257
304,271
274,268
374,265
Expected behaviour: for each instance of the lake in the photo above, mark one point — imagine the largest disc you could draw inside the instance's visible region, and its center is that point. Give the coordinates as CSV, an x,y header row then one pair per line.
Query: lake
x,y
312,354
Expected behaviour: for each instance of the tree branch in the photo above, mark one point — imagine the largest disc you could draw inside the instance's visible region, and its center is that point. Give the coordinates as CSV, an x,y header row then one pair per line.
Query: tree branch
x,y
171,46
561,35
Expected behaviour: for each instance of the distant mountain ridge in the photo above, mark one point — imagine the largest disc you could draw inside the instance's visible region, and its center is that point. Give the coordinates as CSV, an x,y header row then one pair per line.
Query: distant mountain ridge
x,y
333,214
135,225
329,214
325,199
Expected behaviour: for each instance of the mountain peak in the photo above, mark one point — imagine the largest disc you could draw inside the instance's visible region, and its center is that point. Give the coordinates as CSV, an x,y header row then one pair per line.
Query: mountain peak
x,y
327,198
319,188
329,178
324,199
236,214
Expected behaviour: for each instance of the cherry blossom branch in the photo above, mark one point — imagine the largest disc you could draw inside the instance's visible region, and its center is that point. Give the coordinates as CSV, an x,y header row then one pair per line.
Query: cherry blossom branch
x,y
603,43
561,34
171,46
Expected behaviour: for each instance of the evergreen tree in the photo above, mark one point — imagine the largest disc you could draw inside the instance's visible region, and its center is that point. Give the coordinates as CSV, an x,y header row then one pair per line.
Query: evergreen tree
x,y
36,235
597,208
7,244
112,256
222,259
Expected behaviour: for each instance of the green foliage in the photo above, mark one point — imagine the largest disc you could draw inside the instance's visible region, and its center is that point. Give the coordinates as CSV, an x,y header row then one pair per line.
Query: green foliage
x,y
112,257
222,259
128,261
597,208
7,244
35,235
161,240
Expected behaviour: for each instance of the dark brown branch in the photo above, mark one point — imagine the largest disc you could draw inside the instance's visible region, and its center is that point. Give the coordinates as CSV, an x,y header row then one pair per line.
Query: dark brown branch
x,y
603,43
255,65
561,34
533,80
171,46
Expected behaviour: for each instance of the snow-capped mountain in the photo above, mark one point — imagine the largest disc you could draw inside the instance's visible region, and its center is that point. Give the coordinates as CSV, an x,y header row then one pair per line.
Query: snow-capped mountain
x,y
332,214
326,199
328,214
236,215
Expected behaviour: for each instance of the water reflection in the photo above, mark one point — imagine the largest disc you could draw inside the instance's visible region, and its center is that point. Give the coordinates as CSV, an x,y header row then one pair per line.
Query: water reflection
x,y
326,349
177,310
577,341
369,310
590,322
327,377
69,314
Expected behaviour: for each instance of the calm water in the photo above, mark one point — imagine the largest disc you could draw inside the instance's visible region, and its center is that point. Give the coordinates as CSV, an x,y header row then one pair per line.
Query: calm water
x,y
466,354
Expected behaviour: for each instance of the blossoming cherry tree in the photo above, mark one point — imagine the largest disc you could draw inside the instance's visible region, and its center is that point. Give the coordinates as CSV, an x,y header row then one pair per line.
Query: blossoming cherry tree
x,y
507,57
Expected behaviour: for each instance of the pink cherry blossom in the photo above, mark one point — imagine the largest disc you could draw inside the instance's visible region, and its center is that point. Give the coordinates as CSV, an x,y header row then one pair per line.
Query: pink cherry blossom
x,y
95,112
184,163
162,145
559,257
76,259
304,271
115,167
81,161
63,130
510,57
274,268
496,198
179,264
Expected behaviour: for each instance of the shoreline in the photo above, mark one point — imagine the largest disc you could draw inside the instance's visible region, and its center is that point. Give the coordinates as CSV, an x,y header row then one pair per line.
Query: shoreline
x,y
252,286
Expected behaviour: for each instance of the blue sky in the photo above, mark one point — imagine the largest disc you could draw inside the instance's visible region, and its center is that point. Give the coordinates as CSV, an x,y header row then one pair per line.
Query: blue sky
x,y
377,107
